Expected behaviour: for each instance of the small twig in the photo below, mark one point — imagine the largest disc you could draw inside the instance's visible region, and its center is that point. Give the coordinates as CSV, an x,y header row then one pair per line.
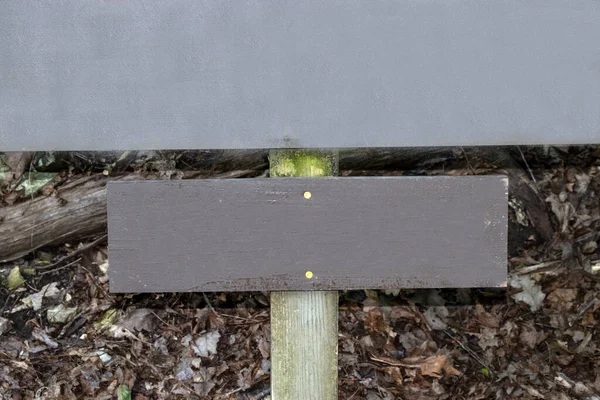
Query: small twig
x,y
159,318
12,307
233,392
393,362
73,325
587,306
471,353
468,162
74,253
527,165
208,303
96,284
31,166
5,303
58,269
535,268
421,317
354,394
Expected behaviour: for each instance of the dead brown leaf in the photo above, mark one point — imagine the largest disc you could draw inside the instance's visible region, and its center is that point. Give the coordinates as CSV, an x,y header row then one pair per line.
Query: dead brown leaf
x,y
375,322
433,366
12,196
138,319
589,320
488,337
18,163
450,370
398,312
561,299
590,247
563,359
485,318
395,375
529,336
264,347
215,321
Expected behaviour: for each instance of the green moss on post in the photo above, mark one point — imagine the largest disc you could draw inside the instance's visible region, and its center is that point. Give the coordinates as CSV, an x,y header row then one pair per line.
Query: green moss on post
x,y
304,325
296,163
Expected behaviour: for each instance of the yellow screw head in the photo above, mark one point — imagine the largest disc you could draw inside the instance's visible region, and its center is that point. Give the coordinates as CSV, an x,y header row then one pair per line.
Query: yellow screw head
x,y
307,195
308,274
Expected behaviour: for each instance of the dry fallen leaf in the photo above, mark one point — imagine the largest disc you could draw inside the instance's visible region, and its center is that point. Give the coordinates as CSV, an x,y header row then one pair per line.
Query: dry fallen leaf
x,y
264,348
398,312
590,247
206,344
450,370
487,337
561,299
4,325
11,197
533,392
43,337
375,322
529,336
433,366
485,318
530,294
436,317
137,320
49,291
395,375
18,162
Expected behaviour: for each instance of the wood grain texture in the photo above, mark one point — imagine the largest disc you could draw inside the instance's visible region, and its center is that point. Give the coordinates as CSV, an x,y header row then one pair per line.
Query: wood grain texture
x,y
76,211
262,234
304,345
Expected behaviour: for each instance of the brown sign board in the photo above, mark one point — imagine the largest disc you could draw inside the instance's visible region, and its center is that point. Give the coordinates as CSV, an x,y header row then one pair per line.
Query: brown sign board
x,y
307,233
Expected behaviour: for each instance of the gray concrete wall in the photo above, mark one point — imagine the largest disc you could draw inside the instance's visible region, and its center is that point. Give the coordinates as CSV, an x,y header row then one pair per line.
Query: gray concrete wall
x,y
149,74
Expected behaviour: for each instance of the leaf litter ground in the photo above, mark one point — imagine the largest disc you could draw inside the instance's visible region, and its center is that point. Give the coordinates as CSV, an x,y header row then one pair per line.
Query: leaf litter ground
x,y
64,336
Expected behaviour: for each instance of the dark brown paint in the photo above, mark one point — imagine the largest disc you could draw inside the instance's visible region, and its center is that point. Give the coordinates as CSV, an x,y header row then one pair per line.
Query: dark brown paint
x,y
263,234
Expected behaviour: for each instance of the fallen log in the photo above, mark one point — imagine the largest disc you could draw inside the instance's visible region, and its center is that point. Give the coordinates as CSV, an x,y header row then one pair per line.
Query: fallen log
x,y
77,209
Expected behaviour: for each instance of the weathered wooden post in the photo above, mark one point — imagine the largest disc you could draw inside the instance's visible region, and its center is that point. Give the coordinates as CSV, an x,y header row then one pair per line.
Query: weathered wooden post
x,y
304,324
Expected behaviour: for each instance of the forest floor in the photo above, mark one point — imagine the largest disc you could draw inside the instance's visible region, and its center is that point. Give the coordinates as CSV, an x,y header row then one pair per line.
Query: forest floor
x,y
63,335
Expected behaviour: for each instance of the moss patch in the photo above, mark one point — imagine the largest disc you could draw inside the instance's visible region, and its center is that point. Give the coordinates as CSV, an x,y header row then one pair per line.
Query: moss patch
x,y
290,163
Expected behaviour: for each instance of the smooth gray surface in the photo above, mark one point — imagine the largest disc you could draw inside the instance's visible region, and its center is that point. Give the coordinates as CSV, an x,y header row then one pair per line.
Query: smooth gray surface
x,y
262,234
149,74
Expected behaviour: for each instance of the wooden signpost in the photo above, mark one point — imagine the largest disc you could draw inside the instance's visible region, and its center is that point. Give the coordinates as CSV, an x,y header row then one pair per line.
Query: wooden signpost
x,y
304,239
152,75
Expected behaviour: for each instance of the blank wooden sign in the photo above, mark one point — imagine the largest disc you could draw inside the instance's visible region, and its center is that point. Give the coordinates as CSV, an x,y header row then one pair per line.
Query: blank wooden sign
x,y
307,233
